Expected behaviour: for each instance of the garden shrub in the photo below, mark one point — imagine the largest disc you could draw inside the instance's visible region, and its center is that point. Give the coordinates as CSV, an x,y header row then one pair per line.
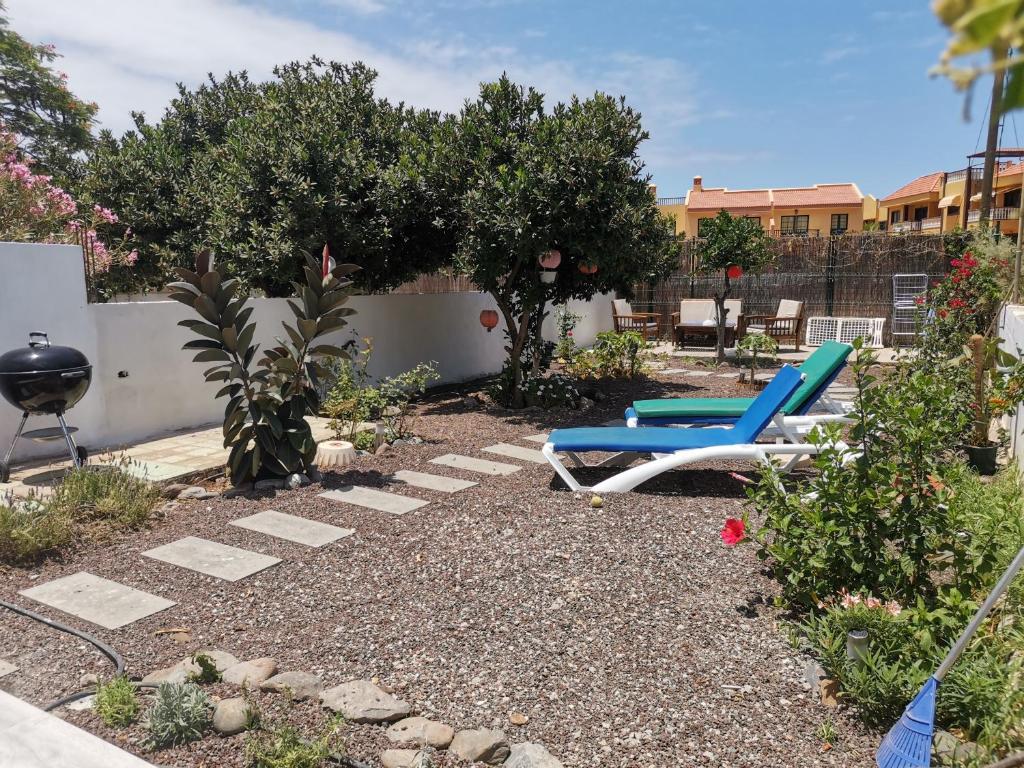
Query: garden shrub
x,y
284,747
757,344
208,672
106,495
29,529
613,356
117,702
553,391
565,321
180,714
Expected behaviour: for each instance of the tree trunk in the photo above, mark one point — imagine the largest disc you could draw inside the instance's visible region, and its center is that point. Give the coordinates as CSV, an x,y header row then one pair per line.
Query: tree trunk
x,y
517,334
720,316
538,339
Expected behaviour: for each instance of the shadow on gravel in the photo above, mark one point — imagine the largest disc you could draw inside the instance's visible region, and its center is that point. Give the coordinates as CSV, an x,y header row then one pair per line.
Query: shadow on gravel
x,y
706,483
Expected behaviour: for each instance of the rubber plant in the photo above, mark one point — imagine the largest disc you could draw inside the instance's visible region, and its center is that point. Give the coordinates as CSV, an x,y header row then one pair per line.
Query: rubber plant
x,y
268,398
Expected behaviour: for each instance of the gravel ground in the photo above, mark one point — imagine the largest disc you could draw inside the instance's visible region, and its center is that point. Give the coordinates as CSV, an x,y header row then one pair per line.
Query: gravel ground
x,y
628,635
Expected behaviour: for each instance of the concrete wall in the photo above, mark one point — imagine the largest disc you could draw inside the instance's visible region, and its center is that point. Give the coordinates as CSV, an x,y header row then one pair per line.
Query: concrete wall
x,y
1011,330
144,383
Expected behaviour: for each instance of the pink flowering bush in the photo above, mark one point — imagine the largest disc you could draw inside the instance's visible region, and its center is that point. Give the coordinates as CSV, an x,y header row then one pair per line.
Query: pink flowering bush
x,y
33,209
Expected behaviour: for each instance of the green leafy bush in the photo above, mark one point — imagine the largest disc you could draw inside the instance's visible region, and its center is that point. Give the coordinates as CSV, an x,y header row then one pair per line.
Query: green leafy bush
x,y
105,494
180,714
613,356
29,529
554,391
285,747
117,702
565,347
756,344
265,417
208,672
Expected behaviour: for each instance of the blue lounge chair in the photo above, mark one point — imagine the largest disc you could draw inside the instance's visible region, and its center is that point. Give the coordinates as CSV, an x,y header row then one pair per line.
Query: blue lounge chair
x,y
674,447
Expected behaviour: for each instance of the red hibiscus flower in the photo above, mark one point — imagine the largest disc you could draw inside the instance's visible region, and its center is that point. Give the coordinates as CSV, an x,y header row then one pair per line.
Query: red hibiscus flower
x,y
734,531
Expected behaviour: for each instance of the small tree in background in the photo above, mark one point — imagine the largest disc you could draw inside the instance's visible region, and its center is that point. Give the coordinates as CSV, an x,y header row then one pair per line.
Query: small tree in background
x,y
50,124
731,244
520,181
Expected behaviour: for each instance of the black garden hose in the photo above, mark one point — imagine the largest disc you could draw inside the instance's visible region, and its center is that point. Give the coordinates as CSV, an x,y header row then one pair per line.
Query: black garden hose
x,y
105,649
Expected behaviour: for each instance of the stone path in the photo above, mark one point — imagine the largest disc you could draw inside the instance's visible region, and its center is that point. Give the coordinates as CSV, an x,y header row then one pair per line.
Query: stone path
x,y
430,482
698,373
538,438
6,668
374,499
481,466
212,558
517,452
312,533
103,602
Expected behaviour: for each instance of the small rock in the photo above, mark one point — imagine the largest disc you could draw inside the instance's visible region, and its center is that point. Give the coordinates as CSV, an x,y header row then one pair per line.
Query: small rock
x,y
382,449
585,404
231,716
221,659
298,685
297,480
171,490
967,753
415,440
470,402
361,452
270,484
813,674
518,718
250,672
531,755
360,701
88,680
401,758
178,673
79,705
944,744
596,502
421,732
828,690
180,637
196,492
239,490
315,474
482,745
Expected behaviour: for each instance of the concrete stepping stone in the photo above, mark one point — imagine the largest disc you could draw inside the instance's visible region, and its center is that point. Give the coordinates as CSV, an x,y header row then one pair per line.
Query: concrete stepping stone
x,y
312,533
101,601
541,438
382,501
698,373
730,375
481,466
6,668
517,452
674,370
430,482
212,558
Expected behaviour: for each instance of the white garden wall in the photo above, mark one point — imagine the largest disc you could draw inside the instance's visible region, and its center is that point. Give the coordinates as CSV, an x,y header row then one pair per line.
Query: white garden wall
x,y
144,384
1011,330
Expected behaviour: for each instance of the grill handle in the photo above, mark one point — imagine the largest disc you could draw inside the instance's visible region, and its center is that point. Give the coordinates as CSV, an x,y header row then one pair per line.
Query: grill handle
x,y
32,342
72,374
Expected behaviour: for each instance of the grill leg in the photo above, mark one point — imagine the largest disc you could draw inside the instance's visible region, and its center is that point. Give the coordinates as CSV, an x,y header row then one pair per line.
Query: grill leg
x,y
21,427
72,449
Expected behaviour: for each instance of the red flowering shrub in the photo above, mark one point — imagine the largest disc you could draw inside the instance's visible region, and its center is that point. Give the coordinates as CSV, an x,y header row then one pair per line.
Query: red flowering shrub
x,y
734,531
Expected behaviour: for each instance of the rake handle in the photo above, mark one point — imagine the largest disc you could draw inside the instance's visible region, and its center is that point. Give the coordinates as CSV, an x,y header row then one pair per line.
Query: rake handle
x,y
979,617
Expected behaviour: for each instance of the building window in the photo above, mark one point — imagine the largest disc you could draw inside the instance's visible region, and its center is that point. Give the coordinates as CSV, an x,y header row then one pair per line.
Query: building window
x,y
758,218
795,225
921,213
953,210
1012,199
840,223
895,217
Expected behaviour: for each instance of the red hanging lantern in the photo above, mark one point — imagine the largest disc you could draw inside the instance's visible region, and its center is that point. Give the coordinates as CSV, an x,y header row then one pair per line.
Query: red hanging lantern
x,y
588,269
489,319
734,271
550,259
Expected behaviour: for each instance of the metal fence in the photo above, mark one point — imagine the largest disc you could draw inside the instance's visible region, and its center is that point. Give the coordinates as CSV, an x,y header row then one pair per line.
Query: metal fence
x,y
844,275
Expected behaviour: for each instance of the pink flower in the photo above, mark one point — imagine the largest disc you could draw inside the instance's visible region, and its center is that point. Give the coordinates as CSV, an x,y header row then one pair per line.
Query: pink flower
x,y
847,600
105,213
893,608
131,258
873,602
734,531
37,210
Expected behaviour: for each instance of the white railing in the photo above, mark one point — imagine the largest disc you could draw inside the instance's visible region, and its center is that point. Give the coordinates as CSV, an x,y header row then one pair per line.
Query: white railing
x,y
906,226
935,222
996,214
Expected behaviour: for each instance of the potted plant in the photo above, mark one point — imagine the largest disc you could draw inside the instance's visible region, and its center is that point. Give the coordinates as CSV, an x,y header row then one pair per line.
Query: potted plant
x,y
998,387
756,344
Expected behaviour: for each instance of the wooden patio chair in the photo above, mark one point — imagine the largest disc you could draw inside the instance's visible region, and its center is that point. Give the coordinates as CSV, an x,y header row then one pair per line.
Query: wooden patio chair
x,y
786,325
625,319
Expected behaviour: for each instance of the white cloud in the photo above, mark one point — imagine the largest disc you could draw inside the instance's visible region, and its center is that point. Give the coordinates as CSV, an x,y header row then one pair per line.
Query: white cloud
x,y
833,55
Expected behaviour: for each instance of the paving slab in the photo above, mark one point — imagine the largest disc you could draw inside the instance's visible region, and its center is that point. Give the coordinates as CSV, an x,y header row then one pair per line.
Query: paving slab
x,y
155,471
382,501
101,601
6,668
729,375
698,373
674,370
481,466
541,437
212,558
31,738
301,530
517,452
430,482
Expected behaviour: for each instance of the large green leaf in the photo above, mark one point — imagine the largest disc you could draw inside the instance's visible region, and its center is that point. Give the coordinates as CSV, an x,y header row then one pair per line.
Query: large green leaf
x,y
204,306
203,329
329,349
308,330
210,283
183,287
202,344
230,338
211,356
187,275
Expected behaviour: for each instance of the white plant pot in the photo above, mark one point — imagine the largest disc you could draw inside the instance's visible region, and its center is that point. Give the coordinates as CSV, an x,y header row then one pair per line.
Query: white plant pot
x,y
334,453
548,276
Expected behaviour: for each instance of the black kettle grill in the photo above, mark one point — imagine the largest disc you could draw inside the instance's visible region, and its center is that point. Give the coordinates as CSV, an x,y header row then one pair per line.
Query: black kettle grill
x,y
44,379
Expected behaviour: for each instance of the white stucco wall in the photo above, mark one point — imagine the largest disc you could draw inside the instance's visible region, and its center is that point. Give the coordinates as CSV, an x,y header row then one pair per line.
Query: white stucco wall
x,y
1011,331
144,383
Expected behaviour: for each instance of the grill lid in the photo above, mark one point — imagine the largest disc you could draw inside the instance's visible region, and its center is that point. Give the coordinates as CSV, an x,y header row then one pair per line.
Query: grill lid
x,y
39,356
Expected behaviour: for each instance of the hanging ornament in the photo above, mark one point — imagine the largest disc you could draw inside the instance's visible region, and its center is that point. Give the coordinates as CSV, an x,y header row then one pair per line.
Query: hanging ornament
x,y
489,319
734,271
588,269
550,259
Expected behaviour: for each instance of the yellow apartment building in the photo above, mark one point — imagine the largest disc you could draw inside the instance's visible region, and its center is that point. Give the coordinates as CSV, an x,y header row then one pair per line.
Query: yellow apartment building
x,y
821,209
944,201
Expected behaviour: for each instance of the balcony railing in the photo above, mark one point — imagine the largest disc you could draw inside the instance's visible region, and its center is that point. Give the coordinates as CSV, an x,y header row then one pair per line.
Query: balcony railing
x,y
976,173
935,222
905,226
671,200
792,233
996,214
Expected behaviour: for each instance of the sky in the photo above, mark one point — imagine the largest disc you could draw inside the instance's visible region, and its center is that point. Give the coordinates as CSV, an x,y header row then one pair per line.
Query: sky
x,y
744,93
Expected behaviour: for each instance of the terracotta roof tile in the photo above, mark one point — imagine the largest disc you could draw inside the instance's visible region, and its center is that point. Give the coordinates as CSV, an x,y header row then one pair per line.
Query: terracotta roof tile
x,y
922,185
717,199
819,194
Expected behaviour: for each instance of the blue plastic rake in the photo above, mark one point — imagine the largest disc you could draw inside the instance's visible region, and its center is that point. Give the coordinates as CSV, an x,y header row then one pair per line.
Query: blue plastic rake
x,y
909,743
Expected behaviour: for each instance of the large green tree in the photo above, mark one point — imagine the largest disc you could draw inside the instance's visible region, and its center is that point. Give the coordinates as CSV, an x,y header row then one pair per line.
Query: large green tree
x,y
728,242
50,124
522,181
259,172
